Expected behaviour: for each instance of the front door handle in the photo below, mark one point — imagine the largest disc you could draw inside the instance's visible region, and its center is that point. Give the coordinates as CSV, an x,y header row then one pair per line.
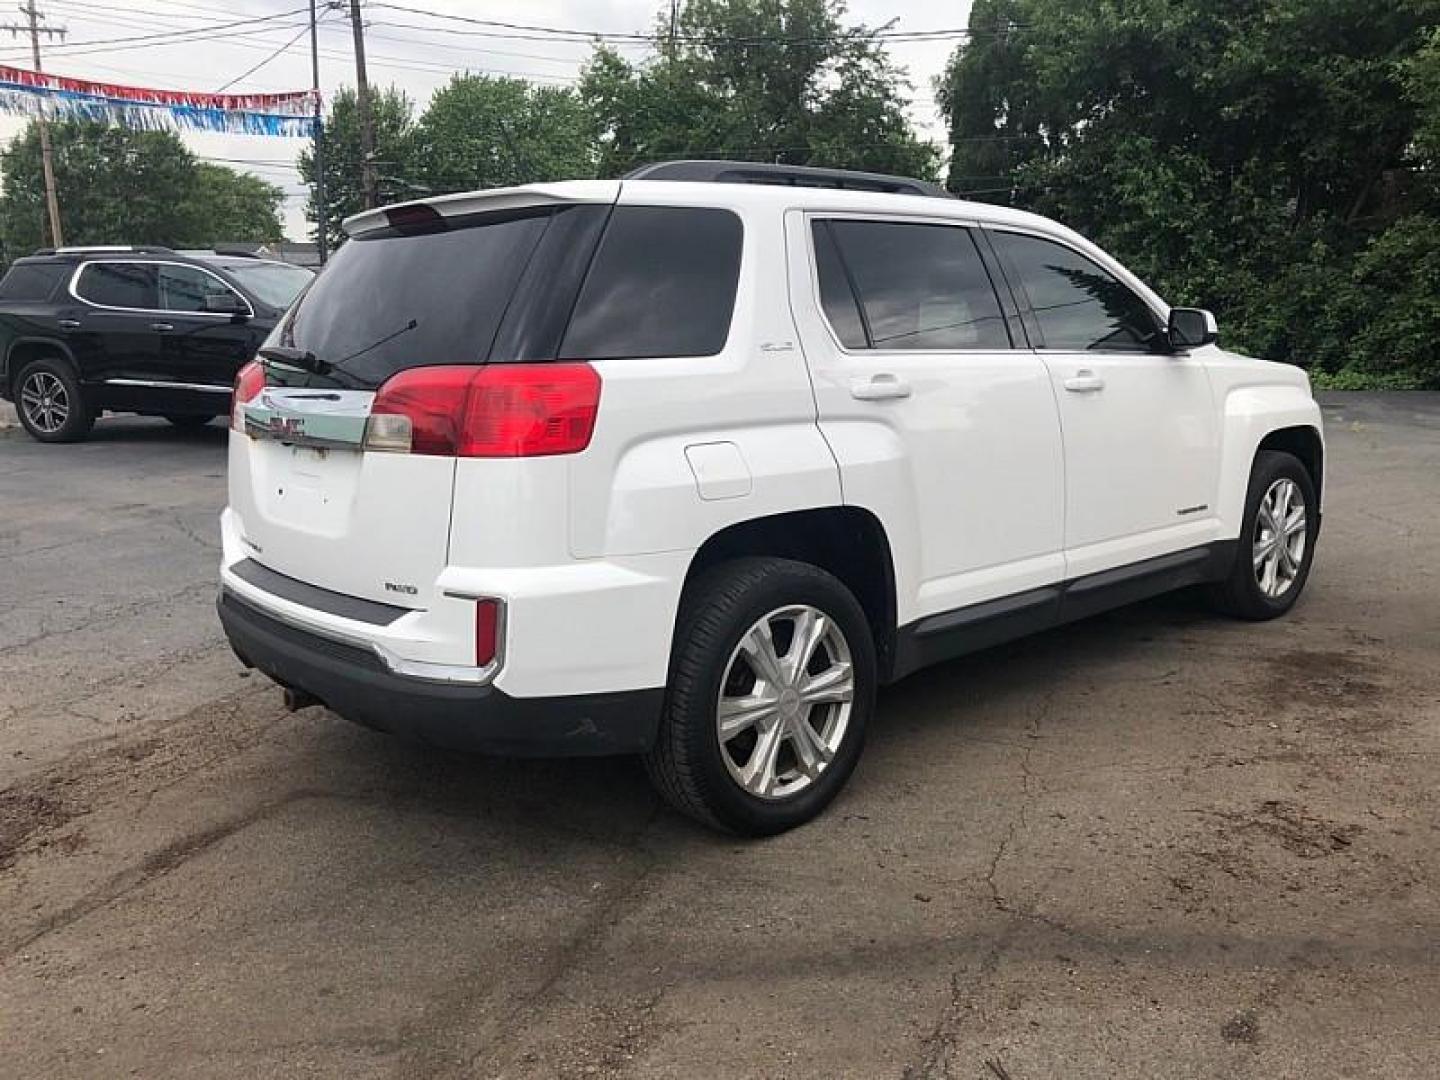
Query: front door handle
x,y
1084,381
880,387
69,324
162,326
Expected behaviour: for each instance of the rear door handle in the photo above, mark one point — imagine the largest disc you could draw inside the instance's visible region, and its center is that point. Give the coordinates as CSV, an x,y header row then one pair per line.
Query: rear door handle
x,y
880,387
1084,381
69,324
162,326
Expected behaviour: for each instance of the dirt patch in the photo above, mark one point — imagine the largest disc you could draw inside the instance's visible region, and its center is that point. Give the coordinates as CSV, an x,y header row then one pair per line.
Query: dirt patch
x,y
26,811
1243,1027
1321,679
1297,832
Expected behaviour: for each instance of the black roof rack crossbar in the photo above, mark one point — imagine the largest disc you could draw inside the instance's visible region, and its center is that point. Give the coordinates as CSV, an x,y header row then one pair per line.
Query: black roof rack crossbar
x,y
749,172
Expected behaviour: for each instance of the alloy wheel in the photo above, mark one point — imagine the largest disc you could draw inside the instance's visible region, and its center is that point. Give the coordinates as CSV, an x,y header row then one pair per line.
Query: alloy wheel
x,y
45,401
1280,534
785,701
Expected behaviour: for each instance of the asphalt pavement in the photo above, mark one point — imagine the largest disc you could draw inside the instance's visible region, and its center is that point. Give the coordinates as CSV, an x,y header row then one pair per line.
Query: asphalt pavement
x,y
1158,843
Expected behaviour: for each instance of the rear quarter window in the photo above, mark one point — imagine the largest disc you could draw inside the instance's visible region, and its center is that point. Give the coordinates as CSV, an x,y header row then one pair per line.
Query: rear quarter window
x,y
661,284
118,285
32,281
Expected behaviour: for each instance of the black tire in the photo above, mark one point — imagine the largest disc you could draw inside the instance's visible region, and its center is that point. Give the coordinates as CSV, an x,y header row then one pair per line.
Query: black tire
x,y
688,763
38,417
187,421
1241,593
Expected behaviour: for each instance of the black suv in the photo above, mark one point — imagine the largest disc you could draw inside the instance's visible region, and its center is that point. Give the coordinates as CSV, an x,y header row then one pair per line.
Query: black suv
x,y
138,330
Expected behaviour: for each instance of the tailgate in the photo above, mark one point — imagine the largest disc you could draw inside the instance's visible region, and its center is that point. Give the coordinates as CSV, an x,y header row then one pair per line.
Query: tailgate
x,y
312,506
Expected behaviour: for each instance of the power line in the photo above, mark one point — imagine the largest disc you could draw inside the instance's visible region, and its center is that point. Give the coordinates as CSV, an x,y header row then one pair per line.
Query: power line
x,y
506,29
207,30
251,71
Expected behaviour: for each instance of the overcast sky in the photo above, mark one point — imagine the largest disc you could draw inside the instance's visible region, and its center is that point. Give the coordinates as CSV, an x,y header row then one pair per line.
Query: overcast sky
x,y
408,50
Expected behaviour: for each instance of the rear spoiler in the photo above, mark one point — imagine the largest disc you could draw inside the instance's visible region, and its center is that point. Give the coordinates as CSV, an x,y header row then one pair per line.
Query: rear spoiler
x,y
482,202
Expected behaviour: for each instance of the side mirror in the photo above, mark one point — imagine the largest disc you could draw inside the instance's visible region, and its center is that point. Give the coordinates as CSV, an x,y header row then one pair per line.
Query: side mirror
x,y
224,304
1190,328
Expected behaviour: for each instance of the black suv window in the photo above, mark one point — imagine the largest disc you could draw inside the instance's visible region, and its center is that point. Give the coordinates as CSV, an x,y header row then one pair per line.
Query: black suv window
x,y
184,288
920,286
392,301
1077,304
118,284
662,284
32,281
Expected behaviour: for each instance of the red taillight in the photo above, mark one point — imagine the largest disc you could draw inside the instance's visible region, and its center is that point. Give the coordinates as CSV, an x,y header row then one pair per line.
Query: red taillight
x,y
248,382
498,410
487,631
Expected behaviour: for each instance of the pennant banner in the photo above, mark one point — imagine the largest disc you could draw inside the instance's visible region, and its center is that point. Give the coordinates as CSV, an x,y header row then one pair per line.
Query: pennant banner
x,y
22,92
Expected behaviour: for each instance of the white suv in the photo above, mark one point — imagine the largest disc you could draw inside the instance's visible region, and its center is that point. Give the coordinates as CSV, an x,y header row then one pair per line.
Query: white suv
x,y
687,464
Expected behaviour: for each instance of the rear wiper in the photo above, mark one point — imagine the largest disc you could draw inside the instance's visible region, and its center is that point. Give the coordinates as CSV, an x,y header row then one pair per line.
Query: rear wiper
x,y
297,358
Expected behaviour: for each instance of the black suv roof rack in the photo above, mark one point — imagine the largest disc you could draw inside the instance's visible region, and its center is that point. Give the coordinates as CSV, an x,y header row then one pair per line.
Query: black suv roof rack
x,y
117,249
750,172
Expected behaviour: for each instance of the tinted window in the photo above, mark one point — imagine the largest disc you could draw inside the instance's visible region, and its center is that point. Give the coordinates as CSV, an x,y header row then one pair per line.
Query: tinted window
x,y
184,288
123,285
836,296
391,302
1078,305
922,286
662,284
32,281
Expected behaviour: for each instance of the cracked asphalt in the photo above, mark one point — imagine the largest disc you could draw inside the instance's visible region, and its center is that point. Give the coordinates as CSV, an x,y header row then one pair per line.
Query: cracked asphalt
x,y
1154,844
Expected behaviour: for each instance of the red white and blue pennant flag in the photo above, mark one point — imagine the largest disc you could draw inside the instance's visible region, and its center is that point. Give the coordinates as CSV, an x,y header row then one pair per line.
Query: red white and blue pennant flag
x,y
25,93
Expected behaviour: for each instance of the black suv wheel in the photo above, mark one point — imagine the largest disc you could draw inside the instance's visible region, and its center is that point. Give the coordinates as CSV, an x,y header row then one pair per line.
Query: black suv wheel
x,y
49,401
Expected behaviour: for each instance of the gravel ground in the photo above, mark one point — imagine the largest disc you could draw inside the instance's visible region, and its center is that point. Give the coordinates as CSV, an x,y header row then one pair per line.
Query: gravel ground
x,y
1156,843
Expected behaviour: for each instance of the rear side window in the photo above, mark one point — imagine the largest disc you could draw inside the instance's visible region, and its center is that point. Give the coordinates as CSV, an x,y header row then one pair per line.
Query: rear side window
x,y
31,281
1078,305
184,288
920,286
391,302
121,285
662,284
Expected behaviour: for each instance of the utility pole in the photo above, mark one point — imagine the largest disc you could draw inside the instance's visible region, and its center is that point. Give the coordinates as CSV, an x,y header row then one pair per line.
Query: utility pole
x,y
47,159
367,120
322,217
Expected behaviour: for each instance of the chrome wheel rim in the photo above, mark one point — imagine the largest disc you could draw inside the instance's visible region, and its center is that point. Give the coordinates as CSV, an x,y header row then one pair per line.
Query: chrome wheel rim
x,y
1280,534
785,702
45,402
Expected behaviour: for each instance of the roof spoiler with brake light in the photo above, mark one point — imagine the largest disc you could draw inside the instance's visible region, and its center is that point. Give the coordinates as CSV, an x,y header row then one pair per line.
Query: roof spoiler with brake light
x,y
414,214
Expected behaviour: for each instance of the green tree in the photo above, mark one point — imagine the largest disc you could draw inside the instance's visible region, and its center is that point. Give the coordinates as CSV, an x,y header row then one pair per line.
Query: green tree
x,y
480,132
118,186
1256,158
227,205
756,80
394,117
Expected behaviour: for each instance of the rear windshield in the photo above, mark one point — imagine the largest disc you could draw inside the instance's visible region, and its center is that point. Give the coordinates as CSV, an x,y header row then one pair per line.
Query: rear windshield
x,y
31,281
391,302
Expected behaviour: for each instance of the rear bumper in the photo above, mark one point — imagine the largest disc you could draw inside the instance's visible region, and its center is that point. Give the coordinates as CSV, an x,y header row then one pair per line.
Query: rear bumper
x,y
353,682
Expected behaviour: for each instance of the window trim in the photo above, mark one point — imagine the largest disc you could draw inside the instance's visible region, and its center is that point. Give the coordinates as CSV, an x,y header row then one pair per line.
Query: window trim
x,y
1028,317
71,288
811,216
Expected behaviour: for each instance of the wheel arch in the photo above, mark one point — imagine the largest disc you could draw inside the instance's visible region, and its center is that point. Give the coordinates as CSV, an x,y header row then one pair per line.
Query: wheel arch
x,y
1304,442
846,541
22,350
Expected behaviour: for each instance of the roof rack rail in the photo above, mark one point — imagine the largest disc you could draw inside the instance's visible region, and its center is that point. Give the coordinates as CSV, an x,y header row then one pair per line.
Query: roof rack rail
x,y
749,172
235,251
85,249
